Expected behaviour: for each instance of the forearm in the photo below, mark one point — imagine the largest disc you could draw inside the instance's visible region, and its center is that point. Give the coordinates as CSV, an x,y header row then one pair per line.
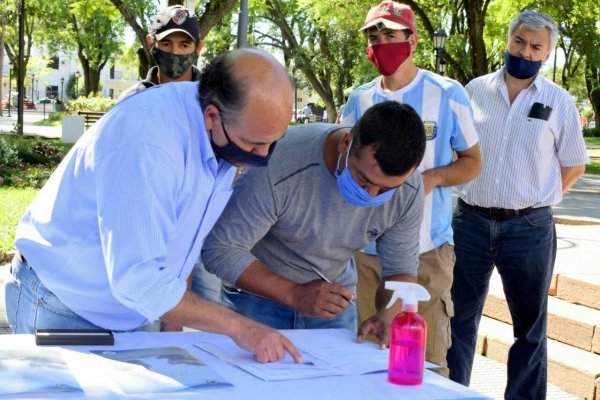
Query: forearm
x,y
198,313
569,176
257,279
465,168
168,327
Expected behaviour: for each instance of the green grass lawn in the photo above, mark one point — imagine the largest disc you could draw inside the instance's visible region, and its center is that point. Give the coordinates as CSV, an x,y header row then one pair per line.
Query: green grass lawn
x,y
14,203
593,167
592,140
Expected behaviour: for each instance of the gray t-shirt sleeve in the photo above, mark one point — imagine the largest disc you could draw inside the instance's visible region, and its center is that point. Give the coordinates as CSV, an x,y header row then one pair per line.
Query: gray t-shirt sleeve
x,y
398,247
247,218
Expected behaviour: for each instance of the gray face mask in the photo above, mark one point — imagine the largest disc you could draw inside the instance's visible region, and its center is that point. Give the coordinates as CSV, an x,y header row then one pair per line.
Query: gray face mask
x,y
173,65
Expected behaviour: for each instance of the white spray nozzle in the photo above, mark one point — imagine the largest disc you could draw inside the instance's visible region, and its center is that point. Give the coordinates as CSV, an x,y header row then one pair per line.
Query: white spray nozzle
x,y
410,293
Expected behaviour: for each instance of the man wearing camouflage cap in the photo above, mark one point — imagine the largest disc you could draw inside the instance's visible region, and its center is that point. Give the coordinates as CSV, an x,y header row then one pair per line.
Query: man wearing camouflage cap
x,y
175,44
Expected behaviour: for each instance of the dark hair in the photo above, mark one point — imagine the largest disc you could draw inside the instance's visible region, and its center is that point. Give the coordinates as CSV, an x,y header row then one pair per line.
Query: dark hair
x,y
396,133
219,87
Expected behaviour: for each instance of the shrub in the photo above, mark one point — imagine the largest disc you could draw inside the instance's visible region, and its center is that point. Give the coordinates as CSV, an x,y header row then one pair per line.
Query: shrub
x,y
591,132
40,152
9,155
92,103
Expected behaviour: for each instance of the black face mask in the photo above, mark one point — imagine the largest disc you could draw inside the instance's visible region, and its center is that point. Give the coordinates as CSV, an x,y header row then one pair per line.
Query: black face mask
x,y
236,156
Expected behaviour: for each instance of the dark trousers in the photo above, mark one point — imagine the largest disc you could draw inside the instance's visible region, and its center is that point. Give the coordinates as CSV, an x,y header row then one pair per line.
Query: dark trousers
x,y
523,248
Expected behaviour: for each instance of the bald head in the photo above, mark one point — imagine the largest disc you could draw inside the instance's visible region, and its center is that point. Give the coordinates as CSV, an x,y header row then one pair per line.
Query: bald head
x,y
247,80
249,93
267,85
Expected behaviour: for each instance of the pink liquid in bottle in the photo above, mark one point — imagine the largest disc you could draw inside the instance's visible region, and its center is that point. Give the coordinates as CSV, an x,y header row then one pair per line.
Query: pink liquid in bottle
x,y
408,337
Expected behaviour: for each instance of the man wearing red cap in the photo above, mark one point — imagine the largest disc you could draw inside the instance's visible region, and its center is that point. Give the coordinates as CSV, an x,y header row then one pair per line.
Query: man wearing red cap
x,y
444,108
175,45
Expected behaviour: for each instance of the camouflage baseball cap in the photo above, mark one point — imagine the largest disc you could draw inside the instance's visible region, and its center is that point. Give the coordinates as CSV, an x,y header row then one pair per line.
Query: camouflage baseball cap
x,y
175,19
390,15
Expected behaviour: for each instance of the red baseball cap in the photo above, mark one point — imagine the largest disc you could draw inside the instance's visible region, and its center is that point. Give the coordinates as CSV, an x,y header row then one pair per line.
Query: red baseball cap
x,y
390,15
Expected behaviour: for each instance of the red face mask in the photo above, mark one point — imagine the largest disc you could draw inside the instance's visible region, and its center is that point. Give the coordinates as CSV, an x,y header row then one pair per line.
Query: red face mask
x,y
388,57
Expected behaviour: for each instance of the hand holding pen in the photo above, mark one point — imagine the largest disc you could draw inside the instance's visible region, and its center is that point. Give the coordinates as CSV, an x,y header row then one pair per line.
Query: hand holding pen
x,y
350,300
321,298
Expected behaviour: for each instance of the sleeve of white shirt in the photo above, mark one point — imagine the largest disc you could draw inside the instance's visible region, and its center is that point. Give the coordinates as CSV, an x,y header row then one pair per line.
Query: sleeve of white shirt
x,y
137,189
570,146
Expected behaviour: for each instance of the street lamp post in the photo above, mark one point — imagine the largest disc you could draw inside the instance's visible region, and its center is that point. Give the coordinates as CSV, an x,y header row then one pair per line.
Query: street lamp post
x,y
439,39
10,68
77,75
443,66
62,82
32,80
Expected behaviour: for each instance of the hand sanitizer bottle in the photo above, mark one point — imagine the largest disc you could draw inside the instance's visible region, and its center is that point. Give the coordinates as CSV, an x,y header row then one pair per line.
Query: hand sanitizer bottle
x,y
408,335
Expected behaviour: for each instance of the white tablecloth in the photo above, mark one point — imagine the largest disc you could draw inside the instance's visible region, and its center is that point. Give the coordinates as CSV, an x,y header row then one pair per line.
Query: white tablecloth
x,y
374,386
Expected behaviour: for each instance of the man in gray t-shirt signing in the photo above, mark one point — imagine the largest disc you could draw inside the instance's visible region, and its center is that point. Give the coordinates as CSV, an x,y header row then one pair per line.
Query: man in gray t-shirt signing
x,y
283,245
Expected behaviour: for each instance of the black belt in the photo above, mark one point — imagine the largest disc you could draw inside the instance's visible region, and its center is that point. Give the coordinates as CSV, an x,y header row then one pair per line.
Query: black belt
x,y
498,213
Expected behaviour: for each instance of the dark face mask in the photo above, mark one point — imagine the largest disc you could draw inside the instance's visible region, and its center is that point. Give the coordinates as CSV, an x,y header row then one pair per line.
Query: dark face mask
x,y
238,157
173,65
519,67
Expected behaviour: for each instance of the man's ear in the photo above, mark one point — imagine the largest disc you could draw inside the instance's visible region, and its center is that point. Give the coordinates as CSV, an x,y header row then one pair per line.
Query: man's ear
x,y
149,41
346,140
211,115
413,39
199,46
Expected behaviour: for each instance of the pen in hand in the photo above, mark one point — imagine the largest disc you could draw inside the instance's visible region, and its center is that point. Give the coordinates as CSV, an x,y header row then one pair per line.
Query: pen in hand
x,y
329,281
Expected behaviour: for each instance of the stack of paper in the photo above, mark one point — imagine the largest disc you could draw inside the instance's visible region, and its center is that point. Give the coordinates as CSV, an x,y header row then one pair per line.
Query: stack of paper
x,y
35,371
159,370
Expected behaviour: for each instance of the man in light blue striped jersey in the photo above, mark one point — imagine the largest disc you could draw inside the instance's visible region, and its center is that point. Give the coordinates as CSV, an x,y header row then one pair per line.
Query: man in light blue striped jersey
x,y
533,152
443,106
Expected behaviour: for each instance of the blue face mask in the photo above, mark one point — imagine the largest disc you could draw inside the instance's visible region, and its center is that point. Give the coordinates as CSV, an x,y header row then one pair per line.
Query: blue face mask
x,y
239,157
519,67
353,193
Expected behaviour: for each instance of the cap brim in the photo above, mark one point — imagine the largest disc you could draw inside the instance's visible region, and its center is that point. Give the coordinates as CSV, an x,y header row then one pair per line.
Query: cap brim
x,y
386,23
162,35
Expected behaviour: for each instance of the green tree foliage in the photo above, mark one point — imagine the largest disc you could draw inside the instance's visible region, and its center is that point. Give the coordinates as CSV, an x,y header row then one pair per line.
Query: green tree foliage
x,y
579,26
97,30
44,27
315,41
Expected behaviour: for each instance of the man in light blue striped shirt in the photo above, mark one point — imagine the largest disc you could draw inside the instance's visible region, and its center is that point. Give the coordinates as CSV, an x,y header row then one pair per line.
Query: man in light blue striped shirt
x,y
112,237
443,106
533,152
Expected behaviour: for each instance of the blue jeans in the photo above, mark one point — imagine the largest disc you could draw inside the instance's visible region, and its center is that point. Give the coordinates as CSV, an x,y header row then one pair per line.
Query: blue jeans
x,y
30,305
523,248
279,316
205,284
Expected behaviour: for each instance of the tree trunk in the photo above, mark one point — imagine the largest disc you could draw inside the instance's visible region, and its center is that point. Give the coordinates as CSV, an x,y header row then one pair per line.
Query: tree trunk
x,y
476,10
2,26
592,83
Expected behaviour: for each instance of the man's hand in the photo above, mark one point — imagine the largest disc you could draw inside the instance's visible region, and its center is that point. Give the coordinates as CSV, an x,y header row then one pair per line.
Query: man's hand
x,y
265,343
376,326
321,299
430,181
